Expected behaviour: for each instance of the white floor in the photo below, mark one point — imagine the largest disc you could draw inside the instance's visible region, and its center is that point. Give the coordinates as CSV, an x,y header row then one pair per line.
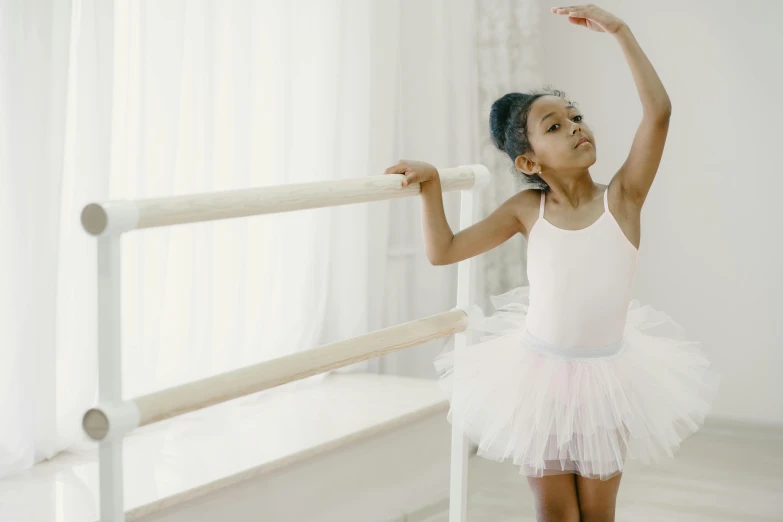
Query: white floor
x,y
717,475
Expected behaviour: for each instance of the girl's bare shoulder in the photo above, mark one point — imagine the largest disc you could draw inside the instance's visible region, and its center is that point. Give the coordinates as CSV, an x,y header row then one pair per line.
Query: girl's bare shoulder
x,y
525,205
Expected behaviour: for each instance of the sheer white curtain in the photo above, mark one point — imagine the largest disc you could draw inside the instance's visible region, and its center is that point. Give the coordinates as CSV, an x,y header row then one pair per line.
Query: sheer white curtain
x,y
55,92
148,99
142,99
215,96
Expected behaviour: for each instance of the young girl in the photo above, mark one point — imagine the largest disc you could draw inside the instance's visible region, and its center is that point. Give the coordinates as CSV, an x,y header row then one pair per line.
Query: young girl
x,y
569,380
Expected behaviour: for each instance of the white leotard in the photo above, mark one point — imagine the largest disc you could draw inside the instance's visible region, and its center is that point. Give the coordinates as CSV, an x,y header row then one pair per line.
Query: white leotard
x,y
580,281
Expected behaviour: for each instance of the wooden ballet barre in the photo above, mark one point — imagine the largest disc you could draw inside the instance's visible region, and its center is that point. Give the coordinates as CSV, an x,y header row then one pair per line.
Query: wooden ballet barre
x,y
114,416
112,218
120,418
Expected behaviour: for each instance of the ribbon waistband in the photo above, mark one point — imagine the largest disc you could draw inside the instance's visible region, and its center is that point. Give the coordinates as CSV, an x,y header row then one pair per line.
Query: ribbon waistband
x,y
573,353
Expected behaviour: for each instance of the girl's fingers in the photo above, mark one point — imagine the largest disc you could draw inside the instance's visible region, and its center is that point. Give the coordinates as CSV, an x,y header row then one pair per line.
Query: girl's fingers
x,y
571,11
577,21
399,168
411,176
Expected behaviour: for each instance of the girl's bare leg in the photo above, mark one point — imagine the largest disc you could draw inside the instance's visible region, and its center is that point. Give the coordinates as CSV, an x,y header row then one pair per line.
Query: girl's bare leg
x,y
555,497
597,498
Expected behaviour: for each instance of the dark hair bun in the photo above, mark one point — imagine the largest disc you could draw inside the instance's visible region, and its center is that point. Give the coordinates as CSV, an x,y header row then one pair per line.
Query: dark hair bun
x,y
499,117
508,128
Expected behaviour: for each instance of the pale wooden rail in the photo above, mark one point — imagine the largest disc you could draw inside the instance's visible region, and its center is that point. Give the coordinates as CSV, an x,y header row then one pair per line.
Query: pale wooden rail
x,y
119,216
195,395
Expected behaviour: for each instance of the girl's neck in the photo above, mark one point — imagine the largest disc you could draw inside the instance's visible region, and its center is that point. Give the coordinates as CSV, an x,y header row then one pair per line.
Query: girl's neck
x,y
572,192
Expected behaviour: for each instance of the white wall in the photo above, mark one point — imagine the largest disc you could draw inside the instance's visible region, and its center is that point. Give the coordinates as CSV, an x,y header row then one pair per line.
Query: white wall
x,y
711,249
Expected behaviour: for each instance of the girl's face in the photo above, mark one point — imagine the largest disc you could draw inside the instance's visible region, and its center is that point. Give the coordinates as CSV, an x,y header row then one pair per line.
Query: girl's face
x,y
554,129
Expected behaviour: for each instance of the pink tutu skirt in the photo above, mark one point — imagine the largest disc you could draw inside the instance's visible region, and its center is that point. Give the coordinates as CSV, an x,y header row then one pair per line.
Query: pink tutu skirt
x,y
560,410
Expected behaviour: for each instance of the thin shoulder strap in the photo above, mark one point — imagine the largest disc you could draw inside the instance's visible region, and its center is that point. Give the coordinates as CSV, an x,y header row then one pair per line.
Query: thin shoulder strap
x,y
541,209
606,199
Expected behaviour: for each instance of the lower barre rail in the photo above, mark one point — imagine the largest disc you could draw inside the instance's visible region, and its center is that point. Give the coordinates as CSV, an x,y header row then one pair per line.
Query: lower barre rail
x,y
107,421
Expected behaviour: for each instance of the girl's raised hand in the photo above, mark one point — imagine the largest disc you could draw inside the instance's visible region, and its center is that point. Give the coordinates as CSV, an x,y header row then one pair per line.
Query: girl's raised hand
x,y
414,171
592,17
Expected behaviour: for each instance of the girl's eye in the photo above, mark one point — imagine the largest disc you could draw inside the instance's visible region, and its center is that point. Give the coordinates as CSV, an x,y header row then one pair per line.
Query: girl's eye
x,y
557,124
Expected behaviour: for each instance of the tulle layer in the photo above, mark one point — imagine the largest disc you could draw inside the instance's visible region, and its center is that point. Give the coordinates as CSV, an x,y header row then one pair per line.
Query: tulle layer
x,y
553,413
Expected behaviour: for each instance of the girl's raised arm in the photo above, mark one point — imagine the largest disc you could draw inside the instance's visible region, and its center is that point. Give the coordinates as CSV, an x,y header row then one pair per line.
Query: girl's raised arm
x,y
636,175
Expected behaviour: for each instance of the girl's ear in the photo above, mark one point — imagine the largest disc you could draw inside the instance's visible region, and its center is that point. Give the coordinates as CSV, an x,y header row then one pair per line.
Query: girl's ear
x,y
527,165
